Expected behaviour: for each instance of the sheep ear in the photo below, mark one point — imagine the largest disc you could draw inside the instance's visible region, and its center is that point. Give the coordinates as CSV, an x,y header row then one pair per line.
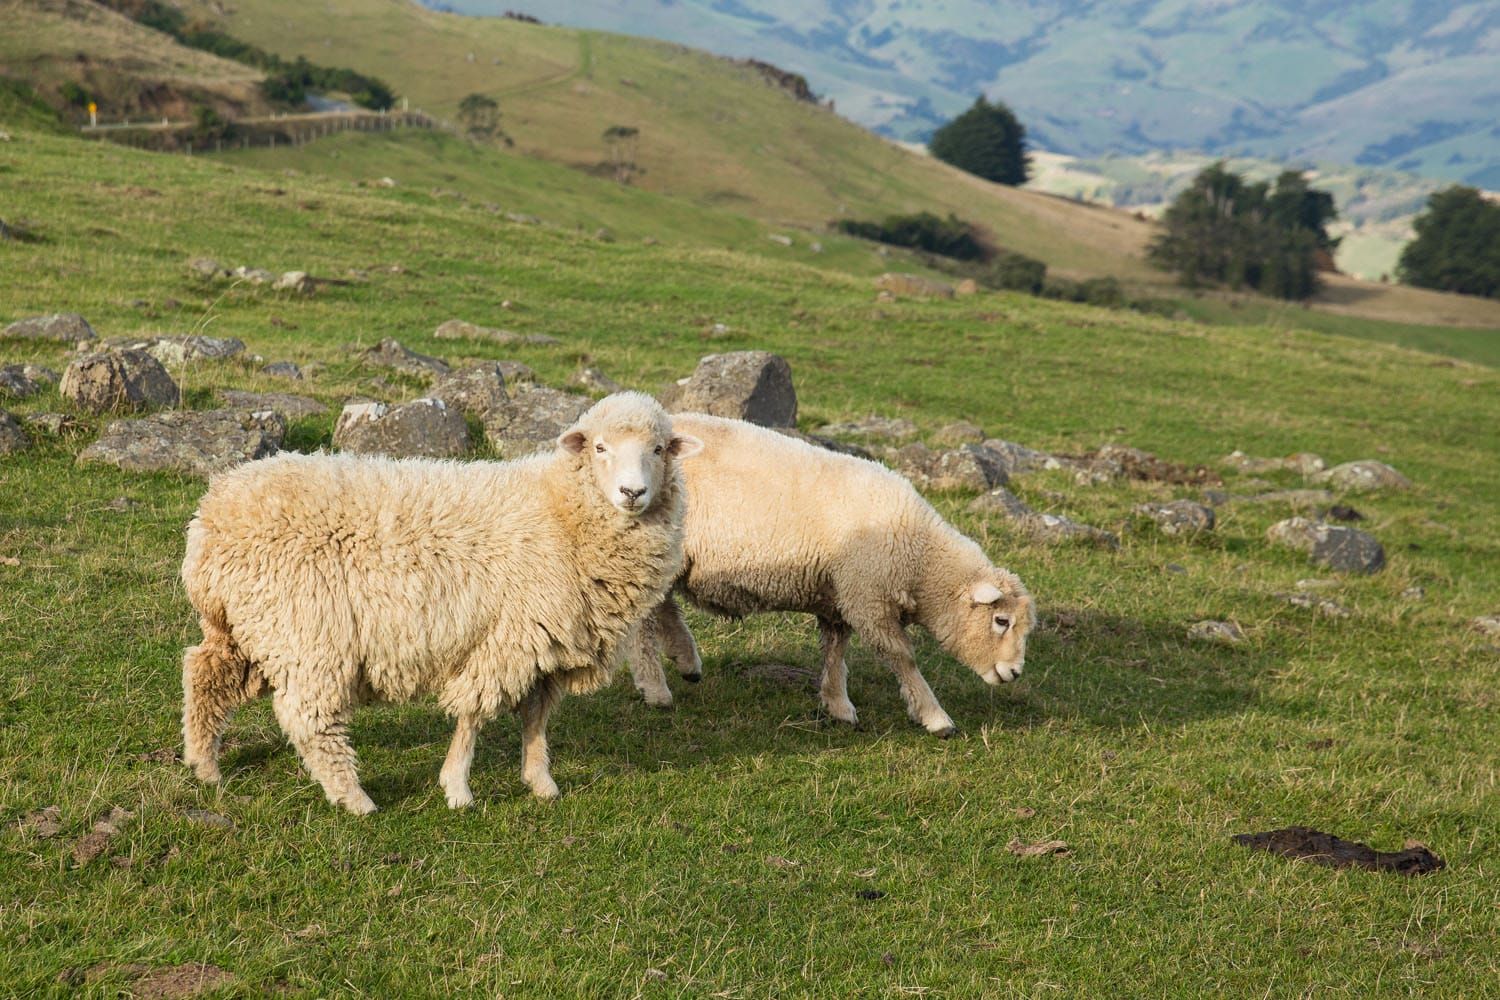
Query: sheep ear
x,y
684,446
985,593
573,441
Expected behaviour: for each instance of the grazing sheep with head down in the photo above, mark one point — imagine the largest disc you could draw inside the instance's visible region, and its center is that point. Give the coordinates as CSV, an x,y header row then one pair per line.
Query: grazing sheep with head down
x,y
776,524
334,580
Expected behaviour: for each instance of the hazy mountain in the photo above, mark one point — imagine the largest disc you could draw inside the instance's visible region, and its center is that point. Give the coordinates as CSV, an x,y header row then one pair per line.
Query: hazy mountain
x,y
1396,83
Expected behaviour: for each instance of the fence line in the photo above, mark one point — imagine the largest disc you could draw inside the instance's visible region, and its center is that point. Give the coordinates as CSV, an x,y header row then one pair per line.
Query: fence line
x,y
268,131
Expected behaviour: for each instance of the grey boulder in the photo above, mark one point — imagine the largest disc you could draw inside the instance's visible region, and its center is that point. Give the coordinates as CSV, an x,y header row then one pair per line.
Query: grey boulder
x,y
1347,550
1179,517
1364,476
532,420
285,403
61,328
196,442
118,380
13,438
743,385
390,353
423,428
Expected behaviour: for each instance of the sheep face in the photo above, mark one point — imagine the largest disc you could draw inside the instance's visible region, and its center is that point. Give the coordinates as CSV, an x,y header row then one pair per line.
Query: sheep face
x,y
997,615
630,463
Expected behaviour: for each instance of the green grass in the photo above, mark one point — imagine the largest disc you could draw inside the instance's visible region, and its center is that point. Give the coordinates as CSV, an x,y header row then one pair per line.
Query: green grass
x,y
724,843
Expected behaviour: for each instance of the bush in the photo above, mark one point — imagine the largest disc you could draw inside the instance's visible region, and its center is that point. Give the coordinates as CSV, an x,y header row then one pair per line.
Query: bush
x,y
950,237
1014,272
73,95
1457,248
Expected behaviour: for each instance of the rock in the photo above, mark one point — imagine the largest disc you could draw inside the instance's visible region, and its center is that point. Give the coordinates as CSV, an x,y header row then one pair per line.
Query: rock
x,y
1343,512
966,288
959,433
515,371
1017,458
594,380
12,438
1049,528
780,240
283,369
1364,476
423,428
24,381
207,268
61,328
52,423
972,467
254,275
1146,467
533,420
1305,463
1488,625
913,286
178,350
1316,583
284,403
745,385
1322,605
196,442
1227,633
1179,517
118,380
477,389
457,329
1413,593
390,354
1346,550
873,427
1087,471
295,281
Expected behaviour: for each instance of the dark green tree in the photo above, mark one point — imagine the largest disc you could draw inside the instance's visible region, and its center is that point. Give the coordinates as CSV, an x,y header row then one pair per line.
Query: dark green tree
x,y
987,140
1457,248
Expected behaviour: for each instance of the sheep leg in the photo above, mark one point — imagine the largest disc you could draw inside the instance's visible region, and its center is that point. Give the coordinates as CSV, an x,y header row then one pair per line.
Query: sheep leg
x,y
455,774
321,735
921,704
644,651
681,649
535,763
834,691
216,680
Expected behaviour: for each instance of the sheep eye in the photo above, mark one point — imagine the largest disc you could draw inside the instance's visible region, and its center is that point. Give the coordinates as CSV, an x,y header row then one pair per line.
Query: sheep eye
x,y
658,449
599,448
1002,622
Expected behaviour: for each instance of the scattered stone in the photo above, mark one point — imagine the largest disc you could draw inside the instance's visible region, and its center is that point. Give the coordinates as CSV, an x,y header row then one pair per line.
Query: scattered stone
x,y
780,240
1488,625
61,328
203,817
1040,848
254,275
457,329
389,353
913,286
745,385
971,467
285,403
195,442
533,420
1305,463
207,268
873,427
423,428
959,433
1322,605
594,380
120,505
1215,631
1347,550
515,371
1017,458
283,369
966,288
12,438
1241,462
1146,467
1047,528
477,389
24,381
180,350
1305,844
118,380
1413,593
1364,476
1314,583
97,840
1179,517
295,281
46,822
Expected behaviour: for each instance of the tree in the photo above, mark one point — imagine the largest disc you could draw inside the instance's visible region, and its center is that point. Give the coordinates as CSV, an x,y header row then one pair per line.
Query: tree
x,y
1222,229
988,141
1457,248
479,115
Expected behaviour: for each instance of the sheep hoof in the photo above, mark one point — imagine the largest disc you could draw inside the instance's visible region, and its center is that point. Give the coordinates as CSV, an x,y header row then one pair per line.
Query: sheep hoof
x,y
545,789
657,699
945,733
460,800
359,805
208,772
844,713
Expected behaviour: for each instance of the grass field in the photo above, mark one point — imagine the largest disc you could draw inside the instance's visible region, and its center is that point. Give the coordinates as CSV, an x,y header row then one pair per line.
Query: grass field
x,y
720,850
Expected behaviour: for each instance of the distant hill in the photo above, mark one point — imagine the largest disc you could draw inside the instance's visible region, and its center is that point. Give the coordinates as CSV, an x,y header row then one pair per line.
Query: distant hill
x,y
1410,86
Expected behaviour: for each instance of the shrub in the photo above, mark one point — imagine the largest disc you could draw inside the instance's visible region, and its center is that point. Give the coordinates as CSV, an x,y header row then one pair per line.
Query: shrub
x,y
950,237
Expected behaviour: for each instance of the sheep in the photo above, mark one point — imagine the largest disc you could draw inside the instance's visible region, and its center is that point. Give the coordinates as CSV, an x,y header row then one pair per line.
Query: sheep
x,y
333,580
777,524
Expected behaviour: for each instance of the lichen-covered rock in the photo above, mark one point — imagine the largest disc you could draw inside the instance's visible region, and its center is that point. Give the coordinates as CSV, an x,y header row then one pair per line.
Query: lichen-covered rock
x,y
25,381
13,438
1049,528
960,433
1179,517
390,353
1226,633
1347,550
457,329
532,420
477,389
207,268
60,328
283,369
118,380
744,385
177,350
195,442
1364,476
971,467
1017,458
423,428
284,403
1305,463
254,275
913,286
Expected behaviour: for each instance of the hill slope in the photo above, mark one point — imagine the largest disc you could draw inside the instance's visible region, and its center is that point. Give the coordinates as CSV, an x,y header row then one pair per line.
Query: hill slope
x,y
1408,86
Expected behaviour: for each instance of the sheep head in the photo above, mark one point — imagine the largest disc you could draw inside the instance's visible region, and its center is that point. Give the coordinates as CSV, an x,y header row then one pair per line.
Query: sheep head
x,y
994,616
627,443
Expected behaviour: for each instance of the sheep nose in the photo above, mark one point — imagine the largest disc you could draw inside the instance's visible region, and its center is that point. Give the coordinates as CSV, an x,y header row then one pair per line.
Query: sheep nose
x,y
631,494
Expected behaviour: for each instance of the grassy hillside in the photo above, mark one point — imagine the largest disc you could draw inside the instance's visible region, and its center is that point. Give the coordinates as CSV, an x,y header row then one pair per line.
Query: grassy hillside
x,y
740,846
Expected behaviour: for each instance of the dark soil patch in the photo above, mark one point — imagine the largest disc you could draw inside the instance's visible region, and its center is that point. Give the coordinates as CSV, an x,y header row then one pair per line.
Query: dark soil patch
x,y
1305,844
186,980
